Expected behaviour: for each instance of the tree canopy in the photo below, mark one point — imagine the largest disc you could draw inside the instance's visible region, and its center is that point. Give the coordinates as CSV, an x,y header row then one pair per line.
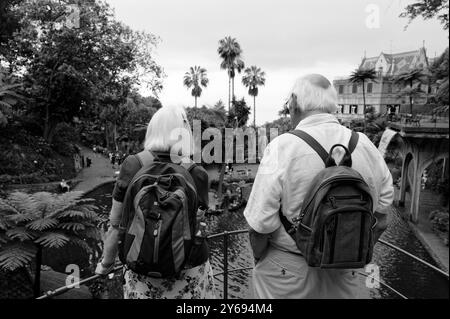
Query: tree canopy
x,y
428,9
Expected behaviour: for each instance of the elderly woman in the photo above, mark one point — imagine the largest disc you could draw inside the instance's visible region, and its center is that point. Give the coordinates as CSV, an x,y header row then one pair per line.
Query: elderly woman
x,y
196,281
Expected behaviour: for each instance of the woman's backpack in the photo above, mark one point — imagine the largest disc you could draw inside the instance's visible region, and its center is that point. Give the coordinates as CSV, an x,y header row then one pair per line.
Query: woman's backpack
x,y
335,226
159,218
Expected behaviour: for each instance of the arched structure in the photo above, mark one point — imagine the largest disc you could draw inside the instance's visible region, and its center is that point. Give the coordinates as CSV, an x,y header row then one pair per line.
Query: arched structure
x,y
421,147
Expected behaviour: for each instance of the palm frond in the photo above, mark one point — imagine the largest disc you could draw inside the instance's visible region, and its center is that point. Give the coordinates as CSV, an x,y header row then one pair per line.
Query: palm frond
x,y
73,226
6,222
52,240
23,203
13,257
21,233
21,218
363,75
253,77
71,213
42,224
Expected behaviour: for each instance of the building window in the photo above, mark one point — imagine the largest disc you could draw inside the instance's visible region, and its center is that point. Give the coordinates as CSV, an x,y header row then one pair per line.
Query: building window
x,y
346,109
341,89
340,108
369,87
389,88
355,88
353,109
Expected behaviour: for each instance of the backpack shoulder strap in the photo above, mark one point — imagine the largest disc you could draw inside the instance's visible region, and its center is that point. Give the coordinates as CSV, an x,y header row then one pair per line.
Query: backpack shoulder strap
x,y
145,158
188,166
353,142
312,143
289,228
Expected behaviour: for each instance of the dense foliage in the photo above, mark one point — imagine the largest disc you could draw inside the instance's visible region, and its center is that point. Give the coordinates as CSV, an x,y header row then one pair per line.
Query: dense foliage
x,y
43,220
70,69
428,9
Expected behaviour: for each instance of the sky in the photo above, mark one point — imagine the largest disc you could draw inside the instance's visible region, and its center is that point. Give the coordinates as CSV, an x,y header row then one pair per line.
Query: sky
x,y
286,38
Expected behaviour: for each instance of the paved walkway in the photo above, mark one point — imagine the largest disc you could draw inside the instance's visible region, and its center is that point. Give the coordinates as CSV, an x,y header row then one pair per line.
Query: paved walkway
x,y
100,172
423,231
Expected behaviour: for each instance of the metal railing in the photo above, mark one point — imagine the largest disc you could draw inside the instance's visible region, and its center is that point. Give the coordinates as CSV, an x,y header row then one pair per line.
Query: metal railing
x,y
226,271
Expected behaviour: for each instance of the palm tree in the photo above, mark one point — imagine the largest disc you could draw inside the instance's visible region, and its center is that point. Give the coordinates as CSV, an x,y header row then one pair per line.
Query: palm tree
x,y
30,223
230,51
409,79
9,96
196,78
253,78
361,76
411,93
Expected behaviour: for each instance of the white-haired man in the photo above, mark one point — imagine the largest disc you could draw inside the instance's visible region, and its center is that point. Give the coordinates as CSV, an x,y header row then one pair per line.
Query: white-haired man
x,y
288,166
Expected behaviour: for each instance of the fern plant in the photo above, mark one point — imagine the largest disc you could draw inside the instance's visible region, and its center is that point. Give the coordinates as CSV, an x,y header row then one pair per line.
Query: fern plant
x,y
32,222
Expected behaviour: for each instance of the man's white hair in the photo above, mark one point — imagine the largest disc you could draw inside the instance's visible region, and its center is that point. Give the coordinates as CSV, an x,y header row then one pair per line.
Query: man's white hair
x,y
314,92
169,131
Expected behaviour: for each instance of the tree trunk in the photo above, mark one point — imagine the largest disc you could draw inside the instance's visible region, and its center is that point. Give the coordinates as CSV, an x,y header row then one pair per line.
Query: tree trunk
x,y
46,121
232,89
364,106
107,135
37,276
115,136
220,186
195,101
229,93
411,99
411,104
49,130
254,112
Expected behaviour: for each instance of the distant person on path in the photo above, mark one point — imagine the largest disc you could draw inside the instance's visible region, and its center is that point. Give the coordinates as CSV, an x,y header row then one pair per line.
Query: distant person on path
x,y
163,155
64,186
113,160
287,169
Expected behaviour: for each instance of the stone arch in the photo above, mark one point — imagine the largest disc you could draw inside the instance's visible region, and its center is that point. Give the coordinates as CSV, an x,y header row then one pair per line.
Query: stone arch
x,y
427,199
405,183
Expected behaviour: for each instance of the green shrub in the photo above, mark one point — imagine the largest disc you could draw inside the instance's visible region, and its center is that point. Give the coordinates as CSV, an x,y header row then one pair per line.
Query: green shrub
x,y
65,136
440,223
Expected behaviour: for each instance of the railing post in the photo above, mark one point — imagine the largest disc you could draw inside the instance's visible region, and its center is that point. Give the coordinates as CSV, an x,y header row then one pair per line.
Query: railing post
x,y
225,265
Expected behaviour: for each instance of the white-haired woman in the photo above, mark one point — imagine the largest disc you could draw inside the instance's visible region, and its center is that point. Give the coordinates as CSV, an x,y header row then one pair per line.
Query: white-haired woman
x,y
163,140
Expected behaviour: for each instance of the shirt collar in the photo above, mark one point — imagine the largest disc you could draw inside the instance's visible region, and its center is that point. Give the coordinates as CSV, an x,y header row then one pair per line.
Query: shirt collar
x,y
317,119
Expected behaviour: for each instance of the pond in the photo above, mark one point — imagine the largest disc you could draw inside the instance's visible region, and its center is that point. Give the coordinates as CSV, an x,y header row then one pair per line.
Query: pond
x,y
408,276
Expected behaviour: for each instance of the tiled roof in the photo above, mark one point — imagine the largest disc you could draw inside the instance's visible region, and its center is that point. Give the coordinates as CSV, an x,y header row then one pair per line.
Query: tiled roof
x,y
398,62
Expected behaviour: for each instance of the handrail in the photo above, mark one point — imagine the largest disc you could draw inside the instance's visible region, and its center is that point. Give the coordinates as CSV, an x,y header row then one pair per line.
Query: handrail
x,y
414,257
225,271
381,282
61,290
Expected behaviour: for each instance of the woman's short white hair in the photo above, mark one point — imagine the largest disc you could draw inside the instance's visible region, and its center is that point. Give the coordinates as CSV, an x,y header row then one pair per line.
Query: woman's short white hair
x,y
169,131
315,93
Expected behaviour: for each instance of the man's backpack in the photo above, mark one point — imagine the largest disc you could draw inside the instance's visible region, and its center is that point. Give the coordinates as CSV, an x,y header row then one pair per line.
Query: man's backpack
x,y
159,218
335,226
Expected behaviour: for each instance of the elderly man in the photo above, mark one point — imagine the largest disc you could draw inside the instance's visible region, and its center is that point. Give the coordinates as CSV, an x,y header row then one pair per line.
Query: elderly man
x,y
286,171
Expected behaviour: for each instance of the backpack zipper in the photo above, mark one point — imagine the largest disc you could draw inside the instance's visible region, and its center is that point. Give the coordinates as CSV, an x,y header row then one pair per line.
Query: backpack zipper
x,y
335,198
326,183
175,174
156,233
